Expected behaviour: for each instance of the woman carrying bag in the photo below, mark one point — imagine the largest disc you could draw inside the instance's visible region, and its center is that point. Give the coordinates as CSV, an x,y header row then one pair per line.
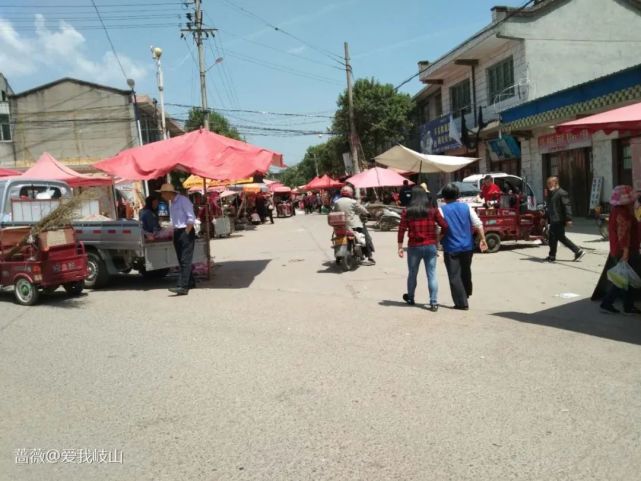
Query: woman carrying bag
x,y
623,229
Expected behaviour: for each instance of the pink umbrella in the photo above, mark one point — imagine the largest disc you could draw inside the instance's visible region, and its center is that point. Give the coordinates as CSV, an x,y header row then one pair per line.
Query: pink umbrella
x,y
377,177
48,168
201,152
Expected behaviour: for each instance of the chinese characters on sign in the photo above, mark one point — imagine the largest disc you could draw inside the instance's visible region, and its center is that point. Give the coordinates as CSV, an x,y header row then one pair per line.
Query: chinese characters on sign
x,y
561,142
68,456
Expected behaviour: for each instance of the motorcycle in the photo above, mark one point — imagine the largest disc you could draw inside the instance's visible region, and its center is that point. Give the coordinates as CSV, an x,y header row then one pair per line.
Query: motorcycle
x,y
349,246
389,220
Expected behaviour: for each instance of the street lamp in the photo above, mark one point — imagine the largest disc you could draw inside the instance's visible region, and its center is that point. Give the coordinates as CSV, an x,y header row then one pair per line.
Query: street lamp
x,y
156,53
132,85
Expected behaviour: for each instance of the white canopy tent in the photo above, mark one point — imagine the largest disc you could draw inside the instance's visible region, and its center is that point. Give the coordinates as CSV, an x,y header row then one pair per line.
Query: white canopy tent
x,y
401,157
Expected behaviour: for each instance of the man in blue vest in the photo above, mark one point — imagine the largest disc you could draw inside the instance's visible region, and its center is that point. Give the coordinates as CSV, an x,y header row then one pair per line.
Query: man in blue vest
x,y
458,244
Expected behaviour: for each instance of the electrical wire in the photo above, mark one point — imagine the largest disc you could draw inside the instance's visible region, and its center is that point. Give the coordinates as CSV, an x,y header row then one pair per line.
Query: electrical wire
x,y
286,114
218,43
106,5
113,49
283,68
507,17
336,58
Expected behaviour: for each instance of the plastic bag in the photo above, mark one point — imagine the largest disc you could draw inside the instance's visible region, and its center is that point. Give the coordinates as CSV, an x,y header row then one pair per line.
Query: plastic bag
x,y
624,277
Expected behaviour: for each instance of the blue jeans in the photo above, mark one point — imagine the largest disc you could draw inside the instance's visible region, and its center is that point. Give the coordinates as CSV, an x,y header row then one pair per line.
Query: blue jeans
x,y
415,255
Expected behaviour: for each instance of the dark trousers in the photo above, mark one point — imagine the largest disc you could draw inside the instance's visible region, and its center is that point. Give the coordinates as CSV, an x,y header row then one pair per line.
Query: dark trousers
x,y
557,234
184,244
459,272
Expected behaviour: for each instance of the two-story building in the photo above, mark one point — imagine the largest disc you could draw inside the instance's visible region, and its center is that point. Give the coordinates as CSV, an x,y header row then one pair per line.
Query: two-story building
x,y
523,55
79,123
6,134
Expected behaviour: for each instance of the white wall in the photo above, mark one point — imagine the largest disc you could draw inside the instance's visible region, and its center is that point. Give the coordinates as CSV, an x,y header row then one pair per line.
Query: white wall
x,y
577,42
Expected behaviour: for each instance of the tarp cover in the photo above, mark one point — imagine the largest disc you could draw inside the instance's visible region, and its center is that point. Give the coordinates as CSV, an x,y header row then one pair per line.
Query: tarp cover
x,y
324,182
8,172
401,157
377,177
201,152
622,119
48,168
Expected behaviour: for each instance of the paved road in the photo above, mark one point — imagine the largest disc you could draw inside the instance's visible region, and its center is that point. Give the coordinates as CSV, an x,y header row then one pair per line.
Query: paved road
x,y
282,368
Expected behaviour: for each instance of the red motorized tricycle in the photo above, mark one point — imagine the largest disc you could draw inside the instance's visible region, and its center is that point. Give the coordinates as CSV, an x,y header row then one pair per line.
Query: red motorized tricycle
x,y
47,261
509,223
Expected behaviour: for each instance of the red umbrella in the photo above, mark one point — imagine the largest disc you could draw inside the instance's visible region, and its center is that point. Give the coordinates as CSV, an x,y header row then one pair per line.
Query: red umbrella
x,y
201,152
624,118
324,182
8,172
48,168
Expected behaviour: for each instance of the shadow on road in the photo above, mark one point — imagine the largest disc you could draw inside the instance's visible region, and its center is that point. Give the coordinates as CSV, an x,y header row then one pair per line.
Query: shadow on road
x,y
235,274
584,317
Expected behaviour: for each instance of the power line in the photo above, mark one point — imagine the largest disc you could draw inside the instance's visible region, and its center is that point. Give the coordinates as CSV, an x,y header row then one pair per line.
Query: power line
x,y
287,114
283,68
106,5
218,43
327,53
113,49
506,18
284,52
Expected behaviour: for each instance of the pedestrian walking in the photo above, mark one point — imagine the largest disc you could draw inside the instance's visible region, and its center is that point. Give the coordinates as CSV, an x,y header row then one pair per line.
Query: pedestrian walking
x,y
405,195
421,221
559,213
181,212
458,244
623,229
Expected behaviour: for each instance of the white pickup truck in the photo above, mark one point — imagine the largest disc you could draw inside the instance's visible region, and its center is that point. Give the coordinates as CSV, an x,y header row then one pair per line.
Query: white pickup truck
x,y
114,246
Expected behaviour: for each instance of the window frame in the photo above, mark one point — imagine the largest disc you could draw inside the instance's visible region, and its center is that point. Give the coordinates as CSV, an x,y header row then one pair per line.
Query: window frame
x,y
456,110
8,127
495,75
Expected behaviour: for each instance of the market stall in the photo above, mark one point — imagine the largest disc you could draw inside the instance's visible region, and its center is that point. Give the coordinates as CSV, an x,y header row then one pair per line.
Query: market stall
x,y
400,157
8,172
203,153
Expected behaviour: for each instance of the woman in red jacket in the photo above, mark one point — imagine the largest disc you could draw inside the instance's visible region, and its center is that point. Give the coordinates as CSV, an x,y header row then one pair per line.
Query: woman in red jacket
x,y
624,246
420,220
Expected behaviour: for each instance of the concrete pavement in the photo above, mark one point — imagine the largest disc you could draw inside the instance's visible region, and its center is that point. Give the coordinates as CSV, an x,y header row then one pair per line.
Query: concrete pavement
x,y
283,368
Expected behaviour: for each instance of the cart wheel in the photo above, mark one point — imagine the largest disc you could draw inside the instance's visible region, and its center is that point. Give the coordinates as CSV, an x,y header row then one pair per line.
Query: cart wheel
x,y
493,241
97,275
74,288
26,292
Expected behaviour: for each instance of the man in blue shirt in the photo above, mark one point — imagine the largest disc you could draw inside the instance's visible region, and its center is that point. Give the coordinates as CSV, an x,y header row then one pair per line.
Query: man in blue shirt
x,y
181,211
458,244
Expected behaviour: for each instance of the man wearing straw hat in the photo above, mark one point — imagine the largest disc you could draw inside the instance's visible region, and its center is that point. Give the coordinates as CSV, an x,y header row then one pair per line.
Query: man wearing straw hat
x,y
181,211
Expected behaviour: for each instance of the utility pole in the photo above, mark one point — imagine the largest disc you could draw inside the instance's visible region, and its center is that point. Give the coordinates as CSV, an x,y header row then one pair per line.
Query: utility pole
x,y
195,27
353,137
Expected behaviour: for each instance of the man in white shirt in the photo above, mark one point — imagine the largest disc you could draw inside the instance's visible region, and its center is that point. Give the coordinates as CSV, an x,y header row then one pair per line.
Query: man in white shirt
x,y
181,212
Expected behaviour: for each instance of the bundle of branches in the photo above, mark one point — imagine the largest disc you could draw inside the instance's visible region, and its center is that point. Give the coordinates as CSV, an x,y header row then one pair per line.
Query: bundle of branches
x,y
60,217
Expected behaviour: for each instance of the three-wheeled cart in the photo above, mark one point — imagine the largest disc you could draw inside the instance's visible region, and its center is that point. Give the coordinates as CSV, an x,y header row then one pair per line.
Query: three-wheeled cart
x,y
511,224
45,262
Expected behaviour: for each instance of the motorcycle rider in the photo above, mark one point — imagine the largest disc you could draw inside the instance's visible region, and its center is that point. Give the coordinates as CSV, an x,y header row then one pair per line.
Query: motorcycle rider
x,y
353,210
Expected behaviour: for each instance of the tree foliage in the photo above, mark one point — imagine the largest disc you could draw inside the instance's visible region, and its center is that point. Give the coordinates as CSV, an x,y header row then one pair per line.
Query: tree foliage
x,y
383,117
217,123
328,156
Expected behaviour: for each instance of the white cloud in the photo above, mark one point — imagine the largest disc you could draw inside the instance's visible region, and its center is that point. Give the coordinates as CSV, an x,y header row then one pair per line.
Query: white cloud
x,y
297,50
62,50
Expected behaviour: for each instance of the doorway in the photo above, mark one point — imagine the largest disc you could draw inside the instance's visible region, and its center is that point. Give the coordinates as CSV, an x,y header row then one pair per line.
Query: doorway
x,y
574,170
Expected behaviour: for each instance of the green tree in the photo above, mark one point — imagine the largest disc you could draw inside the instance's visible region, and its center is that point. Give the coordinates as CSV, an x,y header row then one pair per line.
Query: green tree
x,y
383,117
217,123
328,157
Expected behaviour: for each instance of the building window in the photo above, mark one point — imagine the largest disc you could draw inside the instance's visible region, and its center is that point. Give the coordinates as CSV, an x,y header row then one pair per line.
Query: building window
x,y
500,79
5,129
624,162
438,105
460,98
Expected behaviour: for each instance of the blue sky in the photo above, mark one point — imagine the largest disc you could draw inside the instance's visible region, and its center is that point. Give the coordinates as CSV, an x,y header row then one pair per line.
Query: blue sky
x,y
263,69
